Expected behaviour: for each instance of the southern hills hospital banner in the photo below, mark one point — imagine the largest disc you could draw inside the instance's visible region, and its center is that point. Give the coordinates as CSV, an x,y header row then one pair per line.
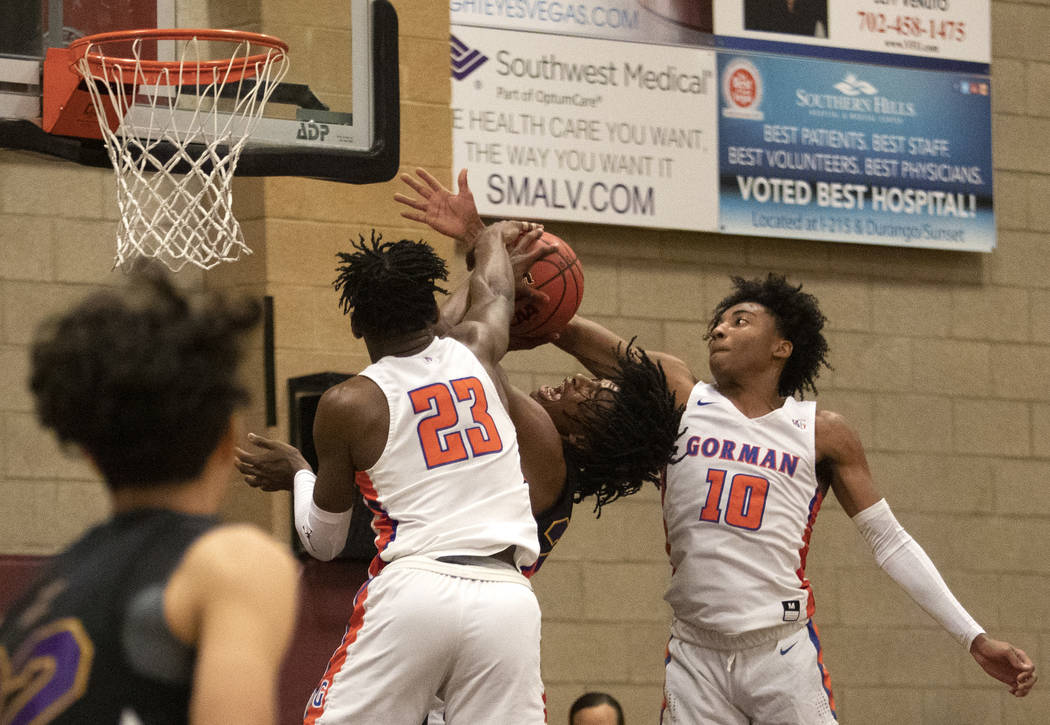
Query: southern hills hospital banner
x,y
825,124
840,152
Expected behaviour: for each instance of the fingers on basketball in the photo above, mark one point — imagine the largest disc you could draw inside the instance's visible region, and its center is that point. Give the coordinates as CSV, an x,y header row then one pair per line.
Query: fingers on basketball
x,y
558,275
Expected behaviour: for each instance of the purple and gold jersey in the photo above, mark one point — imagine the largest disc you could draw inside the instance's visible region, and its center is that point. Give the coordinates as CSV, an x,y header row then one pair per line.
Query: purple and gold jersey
x,y
88,642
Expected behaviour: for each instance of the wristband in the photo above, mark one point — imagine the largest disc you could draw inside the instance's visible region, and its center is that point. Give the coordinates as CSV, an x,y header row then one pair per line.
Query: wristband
x,y
322,533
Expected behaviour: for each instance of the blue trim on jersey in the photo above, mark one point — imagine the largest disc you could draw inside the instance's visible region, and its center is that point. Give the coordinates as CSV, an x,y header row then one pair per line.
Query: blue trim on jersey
x,y
824,677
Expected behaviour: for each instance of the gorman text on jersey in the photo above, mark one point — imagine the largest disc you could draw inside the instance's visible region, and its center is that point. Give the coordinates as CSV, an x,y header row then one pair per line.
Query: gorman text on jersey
x,y
729,450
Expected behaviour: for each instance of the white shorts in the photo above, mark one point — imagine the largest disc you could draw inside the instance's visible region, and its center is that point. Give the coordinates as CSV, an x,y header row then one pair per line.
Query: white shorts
x,y
780,682
425,628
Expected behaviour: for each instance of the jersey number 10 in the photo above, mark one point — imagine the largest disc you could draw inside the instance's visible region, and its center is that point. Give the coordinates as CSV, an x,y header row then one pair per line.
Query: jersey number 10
x,y
746,502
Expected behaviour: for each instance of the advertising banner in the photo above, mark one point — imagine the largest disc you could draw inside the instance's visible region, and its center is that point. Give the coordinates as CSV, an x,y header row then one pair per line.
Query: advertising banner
x,y
950,29
855,153
945,29
589,131
862,121
649,21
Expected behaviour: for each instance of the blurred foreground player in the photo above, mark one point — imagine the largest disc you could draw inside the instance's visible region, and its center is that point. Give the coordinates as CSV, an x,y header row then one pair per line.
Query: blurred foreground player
x,y
161,614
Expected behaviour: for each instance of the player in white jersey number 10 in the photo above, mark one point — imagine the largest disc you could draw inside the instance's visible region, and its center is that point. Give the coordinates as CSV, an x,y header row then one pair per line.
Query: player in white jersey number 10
x,y
739,509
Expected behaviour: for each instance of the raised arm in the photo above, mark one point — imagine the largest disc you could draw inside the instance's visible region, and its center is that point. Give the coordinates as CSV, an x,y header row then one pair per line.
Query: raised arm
x,y
454,215
841,454
486,320
596,346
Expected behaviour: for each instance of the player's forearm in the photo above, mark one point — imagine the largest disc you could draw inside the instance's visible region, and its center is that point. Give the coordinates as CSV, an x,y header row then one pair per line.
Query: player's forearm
x,y
493,275
472,229
592,344
322,533
907,564
453,309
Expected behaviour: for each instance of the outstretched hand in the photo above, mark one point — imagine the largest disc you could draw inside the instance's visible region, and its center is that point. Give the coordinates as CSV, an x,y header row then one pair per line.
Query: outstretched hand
x,y
454,215
272,467
1006,663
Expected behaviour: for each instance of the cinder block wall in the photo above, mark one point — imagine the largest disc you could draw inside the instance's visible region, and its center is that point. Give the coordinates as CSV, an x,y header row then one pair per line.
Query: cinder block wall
x,y
940,362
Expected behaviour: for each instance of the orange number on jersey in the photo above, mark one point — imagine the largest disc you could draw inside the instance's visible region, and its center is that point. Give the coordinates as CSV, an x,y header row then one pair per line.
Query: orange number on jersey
x,y
438,450
483,438
441,448
710,511
747,499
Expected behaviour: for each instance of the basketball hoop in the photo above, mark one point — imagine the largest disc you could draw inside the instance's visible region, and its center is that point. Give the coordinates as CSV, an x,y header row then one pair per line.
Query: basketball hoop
x,y
174,131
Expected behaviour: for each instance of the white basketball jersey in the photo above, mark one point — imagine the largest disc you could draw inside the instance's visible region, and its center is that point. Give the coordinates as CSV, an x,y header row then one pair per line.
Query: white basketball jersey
x,y
449,481
739,509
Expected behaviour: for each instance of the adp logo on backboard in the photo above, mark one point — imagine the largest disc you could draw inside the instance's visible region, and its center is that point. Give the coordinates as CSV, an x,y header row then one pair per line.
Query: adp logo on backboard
x,y
465,60
312,131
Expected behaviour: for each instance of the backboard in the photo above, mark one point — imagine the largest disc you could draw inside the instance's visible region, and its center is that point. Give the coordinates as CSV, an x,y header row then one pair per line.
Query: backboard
x,y
335,116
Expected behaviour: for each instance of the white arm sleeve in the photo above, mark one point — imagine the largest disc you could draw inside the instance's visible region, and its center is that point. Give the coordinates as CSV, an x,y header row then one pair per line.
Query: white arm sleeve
x,y
322,533
907,564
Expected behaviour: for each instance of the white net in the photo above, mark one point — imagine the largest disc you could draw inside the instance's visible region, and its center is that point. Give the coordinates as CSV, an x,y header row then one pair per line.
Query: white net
x,y
174,132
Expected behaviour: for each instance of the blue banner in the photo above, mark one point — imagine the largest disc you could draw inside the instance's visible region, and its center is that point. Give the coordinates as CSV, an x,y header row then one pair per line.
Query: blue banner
x,y
854,153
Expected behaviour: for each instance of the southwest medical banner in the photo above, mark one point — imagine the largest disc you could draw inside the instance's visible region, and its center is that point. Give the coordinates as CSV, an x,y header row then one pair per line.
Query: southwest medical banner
x,y
586,130
866,122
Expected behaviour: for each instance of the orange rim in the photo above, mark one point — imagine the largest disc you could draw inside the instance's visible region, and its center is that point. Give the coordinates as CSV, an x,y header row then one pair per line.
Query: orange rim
x,y
155,68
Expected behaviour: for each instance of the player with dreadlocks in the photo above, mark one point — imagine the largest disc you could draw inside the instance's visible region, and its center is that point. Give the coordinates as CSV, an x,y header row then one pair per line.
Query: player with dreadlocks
x,y
739,506
586,437
445,611
589,437
620,430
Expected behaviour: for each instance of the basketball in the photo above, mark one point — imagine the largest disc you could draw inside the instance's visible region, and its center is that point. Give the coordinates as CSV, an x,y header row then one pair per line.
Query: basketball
x,y
559,276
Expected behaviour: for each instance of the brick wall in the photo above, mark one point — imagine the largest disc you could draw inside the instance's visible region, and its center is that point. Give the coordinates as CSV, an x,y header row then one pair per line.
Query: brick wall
x,y
940,363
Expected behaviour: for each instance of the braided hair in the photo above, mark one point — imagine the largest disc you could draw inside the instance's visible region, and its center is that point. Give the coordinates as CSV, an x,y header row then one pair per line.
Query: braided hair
x,y
798,319
143,378
626,434
388,287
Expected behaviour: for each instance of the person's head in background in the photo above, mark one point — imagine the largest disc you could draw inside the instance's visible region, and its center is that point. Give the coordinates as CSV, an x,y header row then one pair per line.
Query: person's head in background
x,y
596,708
